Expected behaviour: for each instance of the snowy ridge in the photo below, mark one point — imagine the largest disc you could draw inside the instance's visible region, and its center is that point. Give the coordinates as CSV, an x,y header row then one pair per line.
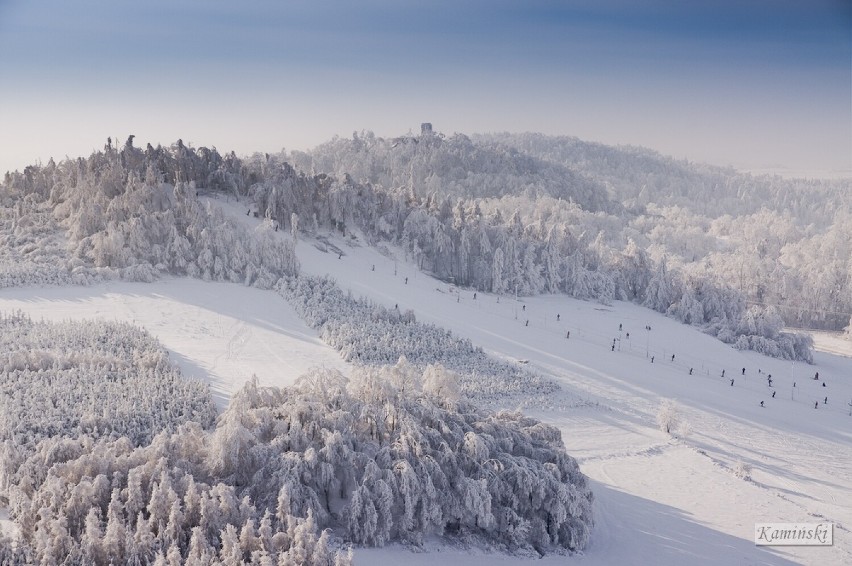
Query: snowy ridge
x,y
524,242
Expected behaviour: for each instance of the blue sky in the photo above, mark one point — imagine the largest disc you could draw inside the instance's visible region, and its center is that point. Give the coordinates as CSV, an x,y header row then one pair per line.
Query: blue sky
x,y
750,83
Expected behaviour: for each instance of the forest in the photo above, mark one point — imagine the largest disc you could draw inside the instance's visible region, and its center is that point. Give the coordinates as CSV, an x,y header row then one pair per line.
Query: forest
x,y
739,256
110,455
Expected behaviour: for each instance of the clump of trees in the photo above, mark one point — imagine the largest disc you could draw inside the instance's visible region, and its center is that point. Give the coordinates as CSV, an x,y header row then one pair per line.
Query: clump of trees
x,y
123,220
370,334
32,249
287,474
64,381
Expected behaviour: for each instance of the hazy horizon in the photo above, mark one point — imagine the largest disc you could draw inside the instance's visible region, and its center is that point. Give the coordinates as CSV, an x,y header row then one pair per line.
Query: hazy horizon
x,y
761,86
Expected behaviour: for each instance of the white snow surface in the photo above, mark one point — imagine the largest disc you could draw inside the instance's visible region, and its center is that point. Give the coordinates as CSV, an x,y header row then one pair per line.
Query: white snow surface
x,y
222,333
660,499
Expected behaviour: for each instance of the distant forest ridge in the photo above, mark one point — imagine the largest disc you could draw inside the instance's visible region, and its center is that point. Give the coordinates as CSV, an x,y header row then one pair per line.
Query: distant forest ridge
x,y
737,255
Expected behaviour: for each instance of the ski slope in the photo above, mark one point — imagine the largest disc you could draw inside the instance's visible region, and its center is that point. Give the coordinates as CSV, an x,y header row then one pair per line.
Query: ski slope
x,y
660,499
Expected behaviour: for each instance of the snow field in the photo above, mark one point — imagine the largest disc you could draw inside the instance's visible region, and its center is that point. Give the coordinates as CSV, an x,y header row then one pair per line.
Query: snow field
x,y
222,333
801,456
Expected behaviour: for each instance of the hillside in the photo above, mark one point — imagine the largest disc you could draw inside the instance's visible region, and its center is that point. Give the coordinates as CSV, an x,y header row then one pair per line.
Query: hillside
x,y
739,276
766,237
607,320
685,484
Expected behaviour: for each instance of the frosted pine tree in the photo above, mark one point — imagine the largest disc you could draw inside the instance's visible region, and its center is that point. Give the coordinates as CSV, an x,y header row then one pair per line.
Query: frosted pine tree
x,y
498,285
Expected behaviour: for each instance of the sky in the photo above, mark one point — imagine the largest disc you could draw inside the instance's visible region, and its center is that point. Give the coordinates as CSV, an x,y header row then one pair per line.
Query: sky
x,y
756,84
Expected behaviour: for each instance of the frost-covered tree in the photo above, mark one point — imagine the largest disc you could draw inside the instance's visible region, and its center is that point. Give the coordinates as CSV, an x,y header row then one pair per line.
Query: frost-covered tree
x,y
374,335
668,416
660,291
498,284
324,454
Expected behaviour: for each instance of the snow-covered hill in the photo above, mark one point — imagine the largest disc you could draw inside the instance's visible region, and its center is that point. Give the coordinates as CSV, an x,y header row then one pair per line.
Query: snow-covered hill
x,y
800,456
658,498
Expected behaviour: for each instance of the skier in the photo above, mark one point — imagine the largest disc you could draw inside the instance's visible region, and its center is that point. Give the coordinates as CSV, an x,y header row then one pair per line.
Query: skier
x,y
524,308
619,327
823,384
613,347
770,382
673,357
743,371
652,359
340,255
474,295
406,282
248,212
723,373
761,404
816,404
628,336
568,335
816,376
373,268
773,394
825,402
527,323
690,371
732,382
557,318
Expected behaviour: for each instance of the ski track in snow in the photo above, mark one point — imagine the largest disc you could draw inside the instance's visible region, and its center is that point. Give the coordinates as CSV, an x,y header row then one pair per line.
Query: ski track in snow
x,y
658,499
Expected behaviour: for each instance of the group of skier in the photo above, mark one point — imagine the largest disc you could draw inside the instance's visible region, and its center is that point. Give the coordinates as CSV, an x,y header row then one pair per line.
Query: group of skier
x,y
648,328
769,384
